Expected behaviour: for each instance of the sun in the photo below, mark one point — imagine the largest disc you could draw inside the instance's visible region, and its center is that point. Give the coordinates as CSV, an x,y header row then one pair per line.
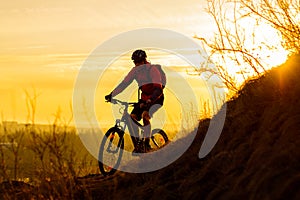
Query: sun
x,y
263,43
268,46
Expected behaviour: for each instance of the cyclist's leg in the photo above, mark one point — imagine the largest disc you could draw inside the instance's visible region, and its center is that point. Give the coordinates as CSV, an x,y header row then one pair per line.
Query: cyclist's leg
x,y
156,106
147,125
133,125
147,129
136,115
147,115
153,109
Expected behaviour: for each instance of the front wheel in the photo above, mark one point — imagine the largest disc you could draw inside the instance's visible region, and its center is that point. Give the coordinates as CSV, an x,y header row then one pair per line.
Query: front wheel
x,y
159,139
111,151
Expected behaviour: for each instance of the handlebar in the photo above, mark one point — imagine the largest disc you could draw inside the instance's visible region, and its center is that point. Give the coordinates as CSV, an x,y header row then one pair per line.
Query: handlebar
x,y
124,103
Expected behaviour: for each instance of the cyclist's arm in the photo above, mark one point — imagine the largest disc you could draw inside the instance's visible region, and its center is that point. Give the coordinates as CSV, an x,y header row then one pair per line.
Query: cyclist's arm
x,y
126,81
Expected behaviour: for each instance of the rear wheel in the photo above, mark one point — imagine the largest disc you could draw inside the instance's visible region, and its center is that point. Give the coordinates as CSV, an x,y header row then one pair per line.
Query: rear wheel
x,y
159,139
111,151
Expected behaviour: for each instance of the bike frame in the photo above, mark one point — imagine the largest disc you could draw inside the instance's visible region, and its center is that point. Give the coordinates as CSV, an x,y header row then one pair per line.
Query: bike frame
x,y
110,153
125,122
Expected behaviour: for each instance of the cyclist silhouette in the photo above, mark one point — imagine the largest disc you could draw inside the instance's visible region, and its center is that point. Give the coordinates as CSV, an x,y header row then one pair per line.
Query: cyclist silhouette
x,y
150,83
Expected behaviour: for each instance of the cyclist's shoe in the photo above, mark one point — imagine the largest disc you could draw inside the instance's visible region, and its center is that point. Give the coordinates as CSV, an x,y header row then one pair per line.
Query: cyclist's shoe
x,y
148,149
139,148
136,151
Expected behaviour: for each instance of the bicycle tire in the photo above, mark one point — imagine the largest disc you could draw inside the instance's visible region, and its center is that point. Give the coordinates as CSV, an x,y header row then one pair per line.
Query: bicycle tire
x,y
111,151
159,138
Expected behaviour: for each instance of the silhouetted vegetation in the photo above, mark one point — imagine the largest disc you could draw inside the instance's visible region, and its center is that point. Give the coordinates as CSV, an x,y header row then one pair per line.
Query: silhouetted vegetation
x,y
42,161
256,157
238,46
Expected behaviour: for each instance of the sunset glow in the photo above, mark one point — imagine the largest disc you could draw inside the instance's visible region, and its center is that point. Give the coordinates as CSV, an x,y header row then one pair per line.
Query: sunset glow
x,y
44,44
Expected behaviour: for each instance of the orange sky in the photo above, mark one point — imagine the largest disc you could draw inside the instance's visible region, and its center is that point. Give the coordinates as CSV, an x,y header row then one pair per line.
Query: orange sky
x,y
43,44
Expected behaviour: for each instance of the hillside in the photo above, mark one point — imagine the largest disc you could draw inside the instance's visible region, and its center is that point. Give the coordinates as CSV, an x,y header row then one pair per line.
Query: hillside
x,y
256,157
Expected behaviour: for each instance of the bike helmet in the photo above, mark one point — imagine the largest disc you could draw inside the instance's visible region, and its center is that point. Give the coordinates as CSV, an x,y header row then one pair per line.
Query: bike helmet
x,y
138,56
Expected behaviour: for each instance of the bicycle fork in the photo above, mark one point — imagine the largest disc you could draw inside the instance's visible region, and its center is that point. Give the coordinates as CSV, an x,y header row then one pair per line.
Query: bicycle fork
x,y
111,139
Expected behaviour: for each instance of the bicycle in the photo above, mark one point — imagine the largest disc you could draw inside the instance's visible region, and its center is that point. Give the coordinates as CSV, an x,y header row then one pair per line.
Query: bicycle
x,y
112,145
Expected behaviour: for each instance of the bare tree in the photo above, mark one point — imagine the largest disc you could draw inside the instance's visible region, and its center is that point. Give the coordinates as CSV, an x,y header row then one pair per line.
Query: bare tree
x,y
235,44
283,15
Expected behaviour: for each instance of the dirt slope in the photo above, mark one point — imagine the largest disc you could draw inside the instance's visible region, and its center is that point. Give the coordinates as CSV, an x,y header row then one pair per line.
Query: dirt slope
x,y
256,157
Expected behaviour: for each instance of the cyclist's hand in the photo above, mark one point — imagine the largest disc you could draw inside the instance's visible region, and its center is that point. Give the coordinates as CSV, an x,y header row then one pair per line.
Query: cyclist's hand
x,y
108,97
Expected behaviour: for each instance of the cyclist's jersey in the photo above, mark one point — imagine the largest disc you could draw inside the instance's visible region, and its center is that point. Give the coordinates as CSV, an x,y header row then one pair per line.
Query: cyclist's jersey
x,y
149,81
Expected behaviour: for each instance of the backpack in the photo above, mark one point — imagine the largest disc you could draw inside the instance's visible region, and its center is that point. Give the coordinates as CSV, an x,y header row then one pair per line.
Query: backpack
x,y
162,74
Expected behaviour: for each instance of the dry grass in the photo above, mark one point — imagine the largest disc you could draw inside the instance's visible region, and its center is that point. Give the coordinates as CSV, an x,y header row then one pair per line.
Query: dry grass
x,y
42,163
256,157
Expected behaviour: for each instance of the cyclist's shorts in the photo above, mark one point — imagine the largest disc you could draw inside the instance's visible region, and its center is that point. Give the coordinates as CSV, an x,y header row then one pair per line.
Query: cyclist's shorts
x,y
138,111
